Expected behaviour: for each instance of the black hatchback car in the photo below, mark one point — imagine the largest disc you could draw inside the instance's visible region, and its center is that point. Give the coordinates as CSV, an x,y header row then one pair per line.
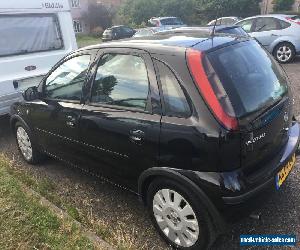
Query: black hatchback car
x,y
117,32
195,125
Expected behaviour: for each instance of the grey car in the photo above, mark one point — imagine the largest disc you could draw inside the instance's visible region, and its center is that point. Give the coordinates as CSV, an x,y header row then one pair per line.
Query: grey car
x,y
150,31
279,34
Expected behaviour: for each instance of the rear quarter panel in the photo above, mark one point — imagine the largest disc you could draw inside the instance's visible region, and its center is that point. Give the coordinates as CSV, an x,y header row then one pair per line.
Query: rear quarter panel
x,y
197,142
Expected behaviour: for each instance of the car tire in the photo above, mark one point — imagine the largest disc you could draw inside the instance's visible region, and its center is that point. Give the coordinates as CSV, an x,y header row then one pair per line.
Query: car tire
x,y
284,52
181,220
26,144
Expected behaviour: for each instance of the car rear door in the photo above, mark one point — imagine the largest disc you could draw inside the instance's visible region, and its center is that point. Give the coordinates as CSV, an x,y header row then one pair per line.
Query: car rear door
x,y
120,122
266,30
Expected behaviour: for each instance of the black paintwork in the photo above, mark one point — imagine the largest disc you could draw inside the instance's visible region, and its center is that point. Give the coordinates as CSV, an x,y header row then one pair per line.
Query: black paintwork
x,y
117,32
196,148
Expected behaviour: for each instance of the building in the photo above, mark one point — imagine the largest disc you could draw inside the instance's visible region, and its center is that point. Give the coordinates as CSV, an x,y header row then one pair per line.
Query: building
x,y
267,6
79,7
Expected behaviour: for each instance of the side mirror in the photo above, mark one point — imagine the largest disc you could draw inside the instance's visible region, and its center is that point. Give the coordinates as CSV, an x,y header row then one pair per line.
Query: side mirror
x,y
31,94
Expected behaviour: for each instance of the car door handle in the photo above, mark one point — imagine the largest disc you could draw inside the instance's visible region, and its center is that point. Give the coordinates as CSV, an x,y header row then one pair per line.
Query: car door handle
x,y
137,136
71,121
274,35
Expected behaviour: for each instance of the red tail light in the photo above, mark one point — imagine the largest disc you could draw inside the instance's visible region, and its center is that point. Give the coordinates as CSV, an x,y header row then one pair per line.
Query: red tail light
x,y
212,96
292,20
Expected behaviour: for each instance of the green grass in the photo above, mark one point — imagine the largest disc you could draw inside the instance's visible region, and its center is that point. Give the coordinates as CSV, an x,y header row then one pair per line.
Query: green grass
x,y
86,40
26,224
48,189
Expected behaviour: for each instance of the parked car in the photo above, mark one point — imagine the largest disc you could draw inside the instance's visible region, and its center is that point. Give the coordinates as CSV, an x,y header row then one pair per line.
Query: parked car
x,y
225,20
230,29
150,31
280,34
33,38
117,32
196,125
166,21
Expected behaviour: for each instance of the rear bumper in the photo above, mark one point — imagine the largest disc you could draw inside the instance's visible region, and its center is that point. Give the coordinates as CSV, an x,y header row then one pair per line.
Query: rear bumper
x,y
232,191
267,179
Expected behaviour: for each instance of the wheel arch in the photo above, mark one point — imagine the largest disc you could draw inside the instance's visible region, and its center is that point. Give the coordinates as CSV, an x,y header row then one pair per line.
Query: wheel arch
x,y
150,174
16,118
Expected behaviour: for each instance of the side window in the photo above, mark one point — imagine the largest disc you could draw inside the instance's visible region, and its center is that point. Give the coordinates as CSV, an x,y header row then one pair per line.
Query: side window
x,y
246,25
121,80
173,96
127,30
284,24
266,24
66,82
227,21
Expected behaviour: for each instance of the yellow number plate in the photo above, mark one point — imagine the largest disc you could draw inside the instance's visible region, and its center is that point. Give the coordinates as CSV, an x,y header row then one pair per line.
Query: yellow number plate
x,y
284,172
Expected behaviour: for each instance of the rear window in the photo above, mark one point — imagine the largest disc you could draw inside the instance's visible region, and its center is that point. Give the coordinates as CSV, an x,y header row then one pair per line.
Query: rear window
x,y
250,76
22,34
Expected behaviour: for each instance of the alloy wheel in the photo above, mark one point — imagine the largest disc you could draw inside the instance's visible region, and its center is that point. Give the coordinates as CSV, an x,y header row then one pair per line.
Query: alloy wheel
x,y
24,143
175,217
284,53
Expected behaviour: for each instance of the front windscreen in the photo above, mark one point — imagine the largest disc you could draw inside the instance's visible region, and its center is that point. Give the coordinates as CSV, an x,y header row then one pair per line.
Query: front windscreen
x,y
22,34
250,76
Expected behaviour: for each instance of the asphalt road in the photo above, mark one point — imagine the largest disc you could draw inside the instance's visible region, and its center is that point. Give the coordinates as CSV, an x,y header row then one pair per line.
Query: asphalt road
x,y
280,214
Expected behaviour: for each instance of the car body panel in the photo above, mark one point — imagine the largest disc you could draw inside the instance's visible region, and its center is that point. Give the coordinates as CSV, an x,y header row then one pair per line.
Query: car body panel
x,y
117,32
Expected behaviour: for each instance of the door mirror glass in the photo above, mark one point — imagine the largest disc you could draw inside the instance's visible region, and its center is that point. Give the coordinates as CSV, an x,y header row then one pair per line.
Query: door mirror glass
x,y
31,94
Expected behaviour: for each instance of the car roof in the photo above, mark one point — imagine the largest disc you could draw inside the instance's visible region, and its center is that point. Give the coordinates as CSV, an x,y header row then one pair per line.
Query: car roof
x,y
116,26
162,18
151,28
200,28
270,15
173,42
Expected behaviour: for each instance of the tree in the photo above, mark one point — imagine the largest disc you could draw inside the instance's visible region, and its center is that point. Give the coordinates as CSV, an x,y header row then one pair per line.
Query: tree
x,y
190,11
140,11
211,9
97,15
283,5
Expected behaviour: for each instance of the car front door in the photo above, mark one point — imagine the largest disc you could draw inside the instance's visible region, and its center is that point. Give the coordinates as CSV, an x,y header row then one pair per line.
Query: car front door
x,y
266,30
55,117
120,122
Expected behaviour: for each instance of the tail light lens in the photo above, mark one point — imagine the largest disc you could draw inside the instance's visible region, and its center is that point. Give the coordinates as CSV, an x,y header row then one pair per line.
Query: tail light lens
x,y
293,20
211,89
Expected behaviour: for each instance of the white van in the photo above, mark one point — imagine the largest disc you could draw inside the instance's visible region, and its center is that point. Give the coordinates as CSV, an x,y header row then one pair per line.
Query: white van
x,y
34,35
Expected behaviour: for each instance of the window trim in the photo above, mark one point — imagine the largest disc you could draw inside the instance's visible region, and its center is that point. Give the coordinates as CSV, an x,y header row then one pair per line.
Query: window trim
x,y
179,81
67,58
120,51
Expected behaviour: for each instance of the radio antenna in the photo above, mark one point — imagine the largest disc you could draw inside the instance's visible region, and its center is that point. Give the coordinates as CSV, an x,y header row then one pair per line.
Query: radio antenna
x,y
213,32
